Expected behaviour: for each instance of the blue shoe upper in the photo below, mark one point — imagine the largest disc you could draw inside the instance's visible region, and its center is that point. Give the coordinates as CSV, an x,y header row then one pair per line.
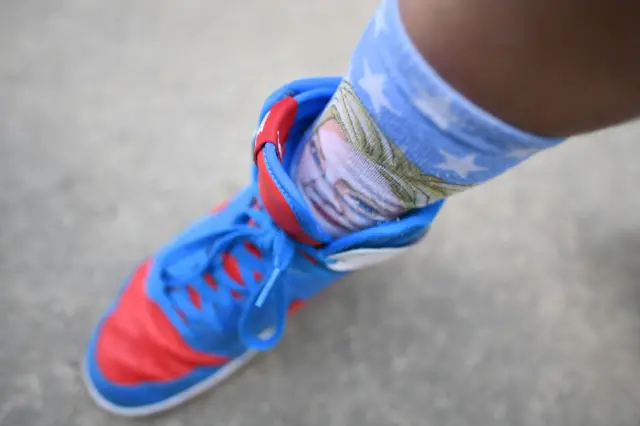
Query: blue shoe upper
x,y
225,284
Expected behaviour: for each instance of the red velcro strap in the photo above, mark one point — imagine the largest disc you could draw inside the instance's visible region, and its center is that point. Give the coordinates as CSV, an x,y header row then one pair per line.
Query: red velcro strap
x,y
275,126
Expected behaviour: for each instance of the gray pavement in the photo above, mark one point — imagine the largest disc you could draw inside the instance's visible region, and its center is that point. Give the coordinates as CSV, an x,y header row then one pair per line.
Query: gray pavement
x,y
121,121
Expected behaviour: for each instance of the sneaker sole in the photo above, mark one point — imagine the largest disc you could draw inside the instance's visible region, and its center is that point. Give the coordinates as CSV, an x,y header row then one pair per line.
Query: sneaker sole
x,y
149,410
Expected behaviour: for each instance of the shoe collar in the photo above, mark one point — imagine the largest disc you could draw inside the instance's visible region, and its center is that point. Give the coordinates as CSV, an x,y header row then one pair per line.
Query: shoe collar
x,y
282,126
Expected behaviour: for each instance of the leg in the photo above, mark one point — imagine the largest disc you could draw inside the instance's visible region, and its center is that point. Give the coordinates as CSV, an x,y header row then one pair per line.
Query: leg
x,y
554,68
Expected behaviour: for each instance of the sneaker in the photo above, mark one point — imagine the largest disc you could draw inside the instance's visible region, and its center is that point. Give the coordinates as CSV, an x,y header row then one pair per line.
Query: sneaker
x,y
206,303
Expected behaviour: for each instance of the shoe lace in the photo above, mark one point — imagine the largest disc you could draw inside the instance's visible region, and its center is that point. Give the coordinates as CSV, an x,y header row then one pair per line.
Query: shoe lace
x,y
246,298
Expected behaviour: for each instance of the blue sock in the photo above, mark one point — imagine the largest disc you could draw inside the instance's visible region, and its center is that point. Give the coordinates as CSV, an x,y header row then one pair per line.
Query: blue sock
x,y
396,136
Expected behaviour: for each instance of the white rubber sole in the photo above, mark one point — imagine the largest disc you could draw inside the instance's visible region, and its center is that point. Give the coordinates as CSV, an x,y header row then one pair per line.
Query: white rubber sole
x,y
178,399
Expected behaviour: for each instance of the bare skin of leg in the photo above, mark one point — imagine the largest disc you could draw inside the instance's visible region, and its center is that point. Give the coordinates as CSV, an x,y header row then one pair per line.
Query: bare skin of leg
x,y
551,67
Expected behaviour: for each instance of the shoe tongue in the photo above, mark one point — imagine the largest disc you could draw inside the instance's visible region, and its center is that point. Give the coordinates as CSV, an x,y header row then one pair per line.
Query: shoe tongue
x,y
279,194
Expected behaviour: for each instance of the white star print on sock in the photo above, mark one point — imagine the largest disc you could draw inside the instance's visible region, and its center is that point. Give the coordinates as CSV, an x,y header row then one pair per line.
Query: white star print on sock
x,y
461,165
373,85
436,108
380,23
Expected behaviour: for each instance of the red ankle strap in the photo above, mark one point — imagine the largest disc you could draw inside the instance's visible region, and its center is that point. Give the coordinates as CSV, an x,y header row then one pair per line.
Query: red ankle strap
x,y
274,130
275,126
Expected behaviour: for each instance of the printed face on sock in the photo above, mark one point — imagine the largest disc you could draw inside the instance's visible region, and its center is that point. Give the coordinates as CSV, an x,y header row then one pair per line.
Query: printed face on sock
x,y
342,186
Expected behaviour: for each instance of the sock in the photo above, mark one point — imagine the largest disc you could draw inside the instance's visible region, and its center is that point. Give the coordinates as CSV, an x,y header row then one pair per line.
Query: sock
x,y
396,137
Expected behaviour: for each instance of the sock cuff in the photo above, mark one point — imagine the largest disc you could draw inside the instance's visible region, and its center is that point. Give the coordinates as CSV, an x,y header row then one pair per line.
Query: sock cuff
x,y
412,103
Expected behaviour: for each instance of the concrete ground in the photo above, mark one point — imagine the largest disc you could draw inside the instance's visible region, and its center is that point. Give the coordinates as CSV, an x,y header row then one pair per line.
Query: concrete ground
x,y
122,121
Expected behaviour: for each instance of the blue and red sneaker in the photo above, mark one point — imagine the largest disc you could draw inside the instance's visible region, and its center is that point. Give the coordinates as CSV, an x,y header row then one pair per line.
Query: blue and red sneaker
x,y
207,302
